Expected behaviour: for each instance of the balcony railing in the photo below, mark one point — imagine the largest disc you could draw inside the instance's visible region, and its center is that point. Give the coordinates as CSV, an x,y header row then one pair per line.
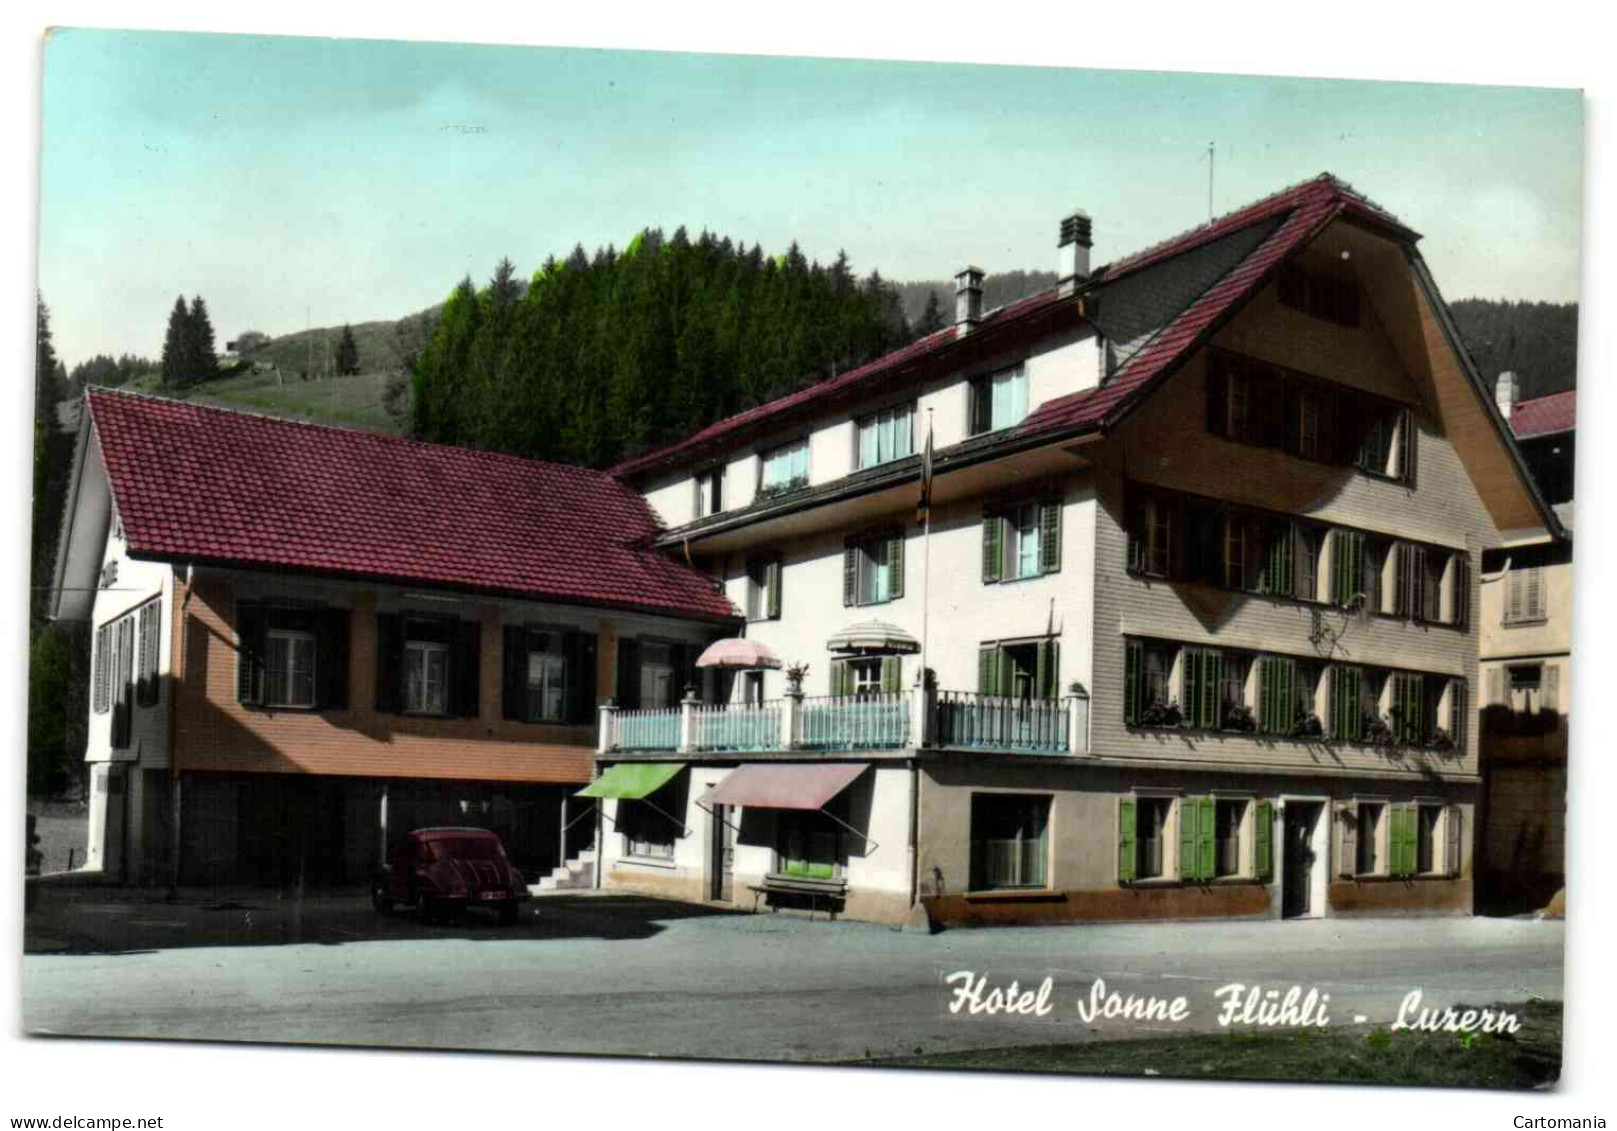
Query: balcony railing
x,y
999,722
749,727
647,730
858,722
889,720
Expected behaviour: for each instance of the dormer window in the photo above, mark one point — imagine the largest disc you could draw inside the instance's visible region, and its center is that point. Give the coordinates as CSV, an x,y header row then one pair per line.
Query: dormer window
x,y
710,492
887,435
785,468
998,401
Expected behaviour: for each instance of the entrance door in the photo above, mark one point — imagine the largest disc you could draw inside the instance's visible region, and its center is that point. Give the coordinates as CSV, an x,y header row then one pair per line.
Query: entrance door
x,y
721,854
1296,897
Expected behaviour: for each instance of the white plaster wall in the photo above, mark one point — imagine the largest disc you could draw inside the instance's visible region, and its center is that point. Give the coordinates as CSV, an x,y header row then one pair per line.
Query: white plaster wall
x,y
1057,366
879,803
137,583
962,611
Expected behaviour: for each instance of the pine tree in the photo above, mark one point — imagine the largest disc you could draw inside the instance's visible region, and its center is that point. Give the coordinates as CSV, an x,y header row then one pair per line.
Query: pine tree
x,y
201,360
347,353
932,317
174,344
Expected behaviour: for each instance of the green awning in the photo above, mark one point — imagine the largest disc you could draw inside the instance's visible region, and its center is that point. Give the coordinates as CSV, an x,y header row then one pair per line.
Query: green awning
x,y
631,780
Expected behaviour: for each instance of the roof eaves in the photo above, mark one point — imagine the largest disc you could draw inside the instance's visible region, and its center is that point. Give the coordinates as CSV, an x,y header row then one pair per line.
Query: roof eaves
x,y
1490,408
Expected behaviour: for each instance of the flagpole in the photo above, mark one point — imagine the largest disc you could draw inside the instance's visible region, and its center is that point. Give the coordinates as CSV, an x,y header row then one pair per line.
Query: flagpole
x,y
926,548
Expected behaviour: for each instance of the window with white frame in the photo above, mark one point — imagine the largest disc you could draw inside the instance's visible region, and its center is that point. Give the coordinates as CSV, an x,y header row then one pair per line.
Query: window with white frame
x,y
426,678
887,435
873,568
784,468
998,401
1151,838
1230,816
289,669
1370,817
546,684
763,587
710,492
1009,845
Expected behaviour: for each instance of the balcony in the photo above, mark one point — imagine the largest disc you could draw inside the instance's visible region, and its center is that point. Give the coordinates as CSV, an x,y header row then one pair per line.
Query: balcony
x,y
895,720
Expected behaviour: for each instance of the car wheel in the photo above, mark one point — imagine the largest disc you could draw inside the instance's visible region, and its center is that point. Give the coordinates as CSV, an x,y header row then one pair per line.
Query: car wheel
x,y
380,901
508,913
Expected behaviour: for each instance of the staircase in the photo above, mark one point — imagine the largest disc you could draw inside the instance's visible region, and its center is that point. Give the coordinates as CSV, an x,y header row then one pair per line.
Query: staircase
x,y
577,874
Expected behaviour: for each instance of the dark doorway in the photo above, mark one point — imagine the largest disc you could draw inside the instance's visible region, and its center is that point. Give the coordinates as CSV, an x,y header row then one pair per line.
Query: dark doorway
x,y
721,854
1296,899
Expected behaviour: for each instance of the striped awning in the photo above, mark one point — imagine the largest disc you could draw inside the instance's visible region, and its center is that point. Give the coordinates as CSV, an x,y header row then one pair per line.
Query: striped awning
x,y
632,780
770,786
874,636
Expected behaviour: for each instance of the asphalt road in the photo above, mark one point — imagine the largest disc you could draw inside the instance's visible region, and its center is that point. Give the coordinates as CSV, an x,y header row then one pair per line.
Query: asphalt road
x,y
595,974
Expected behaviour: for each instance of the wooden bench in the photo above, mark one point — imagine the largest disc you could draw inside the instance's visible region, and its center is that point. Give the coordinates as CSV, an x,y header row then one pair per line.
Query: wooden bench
x,y
833,890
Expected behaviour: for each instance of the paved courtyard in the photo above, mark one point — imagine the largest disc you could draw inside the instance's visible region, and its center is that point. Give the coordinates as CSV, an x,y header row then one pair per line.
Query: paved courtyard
x,y
620,974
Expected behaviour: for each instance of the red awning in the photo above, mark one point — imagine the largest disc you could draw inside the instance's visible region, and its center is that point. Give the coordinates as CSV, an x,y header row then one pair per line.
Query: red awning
x,y
785,787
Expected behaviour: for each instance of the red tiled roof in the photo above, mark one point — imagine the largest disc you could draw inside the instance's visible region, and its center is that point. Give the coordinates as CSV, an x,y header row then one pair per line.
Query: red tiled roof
x,y
213,485
1307,208
1543,416
1311,204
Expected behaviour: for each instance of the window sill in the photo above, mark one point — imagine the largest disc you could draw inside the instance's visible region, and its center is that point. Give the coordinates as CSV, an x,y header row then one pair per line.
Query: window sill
x,y
1525,622
1029,577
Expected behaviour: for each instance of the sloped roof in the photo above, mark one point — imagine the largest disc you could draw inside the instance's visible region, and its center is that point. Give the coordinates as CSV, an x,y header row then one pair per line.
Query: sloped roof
x,y
1544,416
217,486
1306,210
1299,212
867,374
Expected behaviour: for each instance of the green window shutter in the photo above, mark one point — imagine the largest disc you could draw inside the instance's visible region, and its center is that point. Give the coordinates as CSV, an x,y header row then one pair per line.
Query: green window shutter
x,y
1206,837
1263,856
892,673
895,564
1193,686
1189,842
1401,840
1280,559
850,572
1285,696
1212,674
1266,685
772,573
841,677
1041,669
993,552
1050,536
1345,706
988,662
1133,680
1052,686
1125,840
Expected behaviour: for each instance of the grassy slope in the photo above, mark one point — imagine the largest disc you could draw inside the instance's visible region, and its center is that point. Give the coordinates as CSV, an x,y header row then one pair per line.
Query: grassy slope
x,y
1529,1059
350,402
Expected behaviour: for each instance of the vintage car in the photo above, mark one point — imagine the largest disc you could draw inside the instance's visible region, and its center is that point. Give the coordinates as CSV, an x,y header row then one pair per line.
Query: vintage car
x,y
442,872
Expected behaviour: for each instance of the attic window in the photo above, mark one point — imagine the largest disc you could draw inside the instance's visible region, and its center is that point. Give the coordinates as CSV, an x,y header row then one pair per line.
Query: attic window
x,y
1328,296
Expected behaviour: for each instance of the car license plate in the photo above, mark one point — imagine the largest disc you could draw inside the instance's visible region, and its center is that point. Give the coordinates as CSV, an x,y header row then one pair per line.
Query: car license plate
x,y
492,895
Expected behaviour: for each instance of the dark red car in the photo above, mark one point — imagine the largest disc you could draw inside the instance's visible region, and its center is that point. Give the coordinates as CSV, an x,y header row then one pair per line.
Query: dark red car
x,y
442,872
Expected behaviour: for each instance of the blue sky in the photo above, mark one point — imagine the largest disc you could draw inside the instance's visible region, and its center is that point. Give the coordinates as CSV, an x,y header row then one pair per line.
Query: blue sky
x,y
348,180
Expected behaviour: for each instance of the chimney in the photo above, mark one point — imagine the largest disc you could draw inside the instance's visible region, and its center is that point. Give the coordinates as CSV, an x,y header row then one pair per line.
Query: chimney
x,y
1073,252
1506,391
968,300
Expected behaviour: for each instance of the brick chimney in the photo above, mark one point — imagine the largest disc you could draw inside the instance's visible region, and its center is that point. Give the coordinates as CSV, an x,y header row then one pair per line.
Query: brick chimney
x,y
1506,392
968,300
1072,266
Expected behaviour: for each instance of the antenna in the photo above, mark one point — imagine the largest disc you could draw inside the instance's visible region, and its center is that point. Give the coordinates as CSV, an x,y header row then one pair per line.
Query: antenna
x,y
1210,156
